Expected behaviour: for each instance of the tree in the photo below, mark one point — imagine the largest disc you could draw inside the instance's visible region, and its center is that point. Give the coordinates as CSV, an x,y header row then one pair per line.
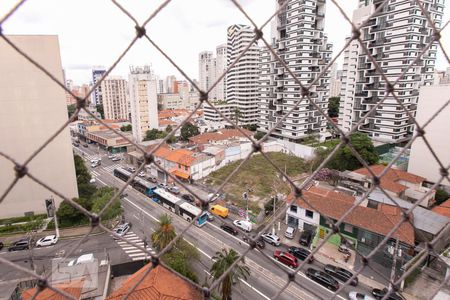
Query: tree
x,y
154,134
100,110
251,127
237,115
69,215
222,261
165,232
344,158
189,130
259,135
169,129
99,200
82,173
441,196
126,128
180,256
333,107
71,109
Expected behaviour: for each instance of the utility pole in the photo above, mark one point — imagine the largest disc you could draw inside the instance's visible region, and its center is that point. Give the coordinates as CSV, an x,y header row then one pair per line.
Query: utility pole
x,y
54,217
274,209
394,263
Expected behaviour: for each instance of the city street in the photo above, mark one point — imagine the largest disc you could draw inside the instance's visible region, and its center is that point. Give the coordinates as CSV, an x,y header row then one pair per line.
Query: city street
x,y
267,275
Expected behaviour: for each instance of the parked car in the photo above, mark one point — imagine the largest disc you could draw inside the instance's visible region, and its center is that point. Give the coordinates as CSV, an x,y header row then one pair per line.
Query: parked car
x,y
259,242
322,278
20,245
83,259
379,294
163,185
152,179
142,174
92,180
343,248
213,197
340,274
85,145
131,169
111,156
286,258
290,232
47,241
1,245
229,229
116,158
305,238
359,296
95,160
210,216
188,197
244,225
122,229
95,164
301,253
174,190
271,239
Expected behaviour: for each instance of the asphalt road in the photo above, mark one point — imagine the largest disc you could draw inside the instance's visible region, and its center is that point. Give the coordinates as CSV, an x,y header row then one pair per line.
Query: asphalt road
x,y
267,275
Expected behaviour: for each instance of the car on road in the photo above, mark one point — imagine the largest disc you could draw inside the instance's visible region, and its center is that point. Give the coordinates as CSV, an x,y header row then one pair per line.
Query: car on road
x,y
340,274
213,197
286,258
152,179
301,253
359,296
111,156
290,232
174,190
95,160
322,278
305,238
20,245
85,145
130,169
83,259
122,229
271,239
116,158
76,144
244,225
259,242
229,229
92,180
47,241
142,174
1,245
163,185
95,164
188,197
379,294
210,216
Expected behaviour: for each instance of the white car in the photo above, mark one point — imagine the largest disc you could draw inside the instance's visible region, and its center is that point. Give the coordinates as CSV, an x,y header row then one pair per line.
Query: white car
x,y
244,225
111,156
213,197
122,229
92,180
95,160
359,296
83,259
271,239
174,189
47,241
142,174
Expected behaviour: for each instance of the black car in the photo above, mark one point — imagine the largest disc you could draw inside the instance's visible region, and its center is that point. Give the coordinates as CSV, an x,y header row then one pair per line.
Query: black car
x,y
229,229
259,242
20,245
340,274
300,253
152,179
379,294
188,197
322,279
85,145
305,238
1,245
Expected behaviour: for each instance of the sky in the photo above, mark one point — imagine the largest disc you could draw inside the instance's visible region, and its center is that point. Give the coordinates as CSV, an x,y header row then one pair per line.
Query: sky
x,y
95,32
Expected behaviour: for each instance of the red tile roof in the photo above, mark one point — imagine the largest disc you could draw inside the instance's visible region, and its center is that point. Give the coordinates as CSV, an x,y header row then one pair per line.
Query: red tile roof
x,y
179,156
390,180
443,208
223,134
159,283
73,288
336,204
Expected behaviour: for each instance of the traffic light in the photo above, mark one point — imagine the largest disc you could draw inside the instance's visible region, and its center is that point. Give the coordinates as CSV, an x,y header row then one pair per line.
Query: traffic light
x,y
49,207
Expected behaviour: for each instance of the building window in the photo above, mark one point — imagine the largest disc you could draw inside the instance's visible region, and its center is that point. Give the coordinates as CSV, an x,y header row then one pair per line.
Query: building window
x,y
294,208
309,213
348,228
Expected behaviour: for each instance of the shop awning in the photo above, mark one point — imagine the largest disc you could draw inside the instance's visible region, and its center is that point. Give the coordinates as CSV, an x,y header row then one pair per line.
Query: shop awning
x,y
180,174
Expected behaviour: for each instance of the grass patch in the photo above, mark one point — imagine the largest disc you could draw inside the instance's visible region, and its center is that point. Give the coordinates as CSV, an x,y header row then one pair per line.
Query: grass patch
x,y
13,220
20,228
258,174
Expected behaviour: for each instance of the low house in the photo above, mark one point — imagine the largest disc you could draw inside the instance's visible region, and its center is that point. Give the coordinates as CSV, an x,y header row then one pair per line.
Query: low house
x,y
443,209
73,288
221,137
158,283
397,183
365,227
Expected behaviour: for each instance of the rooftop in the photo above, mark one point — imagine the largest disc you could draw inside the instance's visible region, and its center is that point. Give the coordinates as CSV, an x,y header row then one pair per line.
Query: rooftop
x,y
73,288
159,283
109,134
390,181
443,208
221,135
336,204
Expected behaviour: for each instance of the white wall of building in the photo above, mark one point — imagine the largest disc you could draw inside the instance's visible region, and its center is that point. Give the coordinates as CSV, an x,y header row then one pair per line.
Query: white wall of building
x,y
32,109
302,217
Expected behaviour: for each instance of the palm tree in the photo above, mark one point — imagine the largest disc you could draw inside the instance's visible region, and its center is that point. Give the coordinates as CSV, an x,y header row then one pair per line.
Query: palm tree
x,y
222,261
165,233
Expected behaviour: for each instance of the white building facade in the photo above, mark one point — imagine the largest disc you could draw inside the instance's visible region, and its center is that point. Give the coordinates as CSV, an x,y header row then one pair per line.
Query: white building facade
x,y
242,81
299,40
115,98
221,67
143,101
395,36
207,73
97,74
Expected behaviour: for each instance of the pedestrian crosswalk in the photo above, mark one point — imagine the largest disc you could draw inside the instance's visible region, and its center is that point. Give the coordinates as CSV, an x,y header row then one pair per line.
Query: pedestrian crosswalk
x,y
112,167
133,252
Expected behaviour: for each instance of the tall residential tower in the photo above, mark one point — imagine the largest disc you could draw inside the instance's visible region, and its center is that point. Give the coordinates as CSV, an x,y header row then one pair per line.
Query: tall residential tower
x,y
114,95
299,40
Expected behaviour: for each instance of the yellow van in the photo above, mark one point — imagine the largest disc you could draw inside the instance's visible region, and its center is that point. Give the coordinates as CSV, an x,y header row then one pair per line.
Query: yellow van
x,y
219,210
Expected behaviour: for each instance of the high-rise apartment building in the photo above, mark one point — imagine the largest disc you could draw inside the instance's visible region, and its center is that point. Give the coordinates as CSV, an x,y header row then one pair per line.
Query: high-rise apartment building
x,y
300,42
221,67
395,36
242,81
335,81
143,101
33,108
207,73
97,74
169,84
114,94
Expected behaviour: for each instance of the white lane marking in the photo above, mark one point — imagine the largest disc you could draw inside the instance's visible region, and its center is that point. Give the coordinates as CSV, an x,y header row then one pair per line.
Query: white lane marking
x,y
136,254
138,258
101,181
134,250
138,207
234,237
